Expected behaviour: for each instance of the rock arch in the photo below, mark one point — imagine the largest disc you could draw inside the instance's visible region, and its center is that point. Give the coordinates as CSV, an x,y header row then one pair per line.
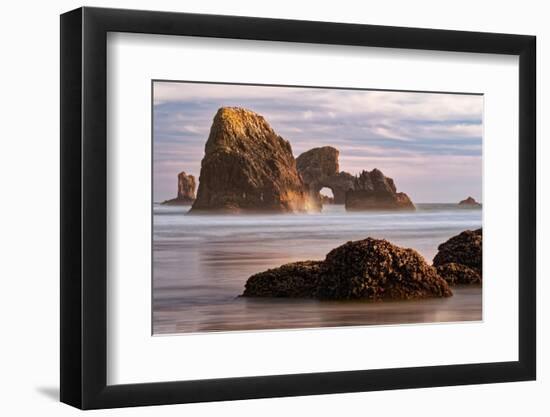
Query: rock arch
x,y
319,168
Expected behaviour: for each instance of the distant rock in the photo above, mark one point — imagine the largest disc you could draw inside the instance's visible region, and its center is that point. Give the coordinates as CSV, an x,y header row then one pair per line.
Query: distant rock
x,y
186,190
247,167
319,168
294,280
365,269
470,201
459,257
318,164
374,191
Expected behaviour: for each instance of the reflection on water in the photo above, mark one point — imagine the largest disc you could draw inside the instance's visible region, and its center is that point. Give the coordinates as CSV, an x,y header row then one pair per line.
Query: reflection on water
x,y
201,263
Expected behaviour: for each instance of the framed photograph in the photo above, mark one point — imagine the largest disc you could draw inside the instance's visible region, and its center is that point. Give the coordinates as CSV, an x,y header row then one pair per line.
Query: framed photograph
x,y
257,208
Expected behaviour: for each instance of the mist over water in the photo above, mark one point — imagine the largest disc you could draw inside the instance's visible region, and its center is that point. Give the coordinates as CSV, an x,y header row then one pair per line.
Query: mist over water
x,y
201,263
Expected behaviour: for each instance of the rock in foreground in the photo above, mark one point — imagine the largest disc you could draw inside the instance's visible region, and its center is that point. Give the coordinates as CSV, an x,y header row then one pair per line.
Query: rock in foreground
x,y
455,274
365,269
186,190
247,167
464,248
377,269
460,259
374,191
295,280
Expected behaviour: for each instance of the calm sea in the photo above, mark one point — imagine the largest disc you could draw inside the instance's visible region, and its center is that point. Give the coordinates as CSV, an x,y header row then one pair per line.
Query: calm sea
x,y
201,263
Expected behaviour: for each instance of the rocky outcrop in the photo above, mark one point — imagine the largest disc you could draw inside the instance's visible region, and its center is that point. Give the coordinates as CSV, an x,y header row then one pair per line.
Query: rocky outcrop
x,y
377,269
294,280
455,274
186,190
247,167
459,260
469,202
374,191
318,164
371,269
319,168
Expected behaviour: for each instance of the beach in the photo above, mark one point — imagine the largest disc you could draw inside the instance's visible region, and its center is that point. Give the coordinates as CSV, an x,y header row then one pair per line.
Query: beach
x,y
201,263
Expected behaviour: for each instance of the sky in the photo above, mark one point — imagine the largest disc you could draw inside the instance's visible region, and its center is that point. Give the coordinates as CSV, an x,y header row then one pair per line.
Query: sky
x,y
429,143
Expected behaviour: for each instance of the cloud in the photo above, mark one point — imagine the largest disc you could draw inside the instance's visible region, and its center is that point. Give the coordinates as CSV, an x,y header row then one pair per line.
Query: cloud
x,y
408,135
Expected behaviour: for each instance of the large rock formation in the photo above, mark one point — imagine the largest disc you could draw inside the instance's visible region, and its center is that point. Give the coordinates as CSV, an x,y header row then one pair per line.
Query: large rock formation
x,y
186,190
460,259
247,167
319,168
365,269
469,202
374,191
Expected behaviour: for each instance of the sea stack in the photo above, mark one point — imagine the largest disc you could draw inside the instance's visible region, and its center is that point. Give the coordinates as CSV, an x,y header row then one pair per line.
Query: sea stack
x,y
469,202
186,190
319,168
248,168
374,191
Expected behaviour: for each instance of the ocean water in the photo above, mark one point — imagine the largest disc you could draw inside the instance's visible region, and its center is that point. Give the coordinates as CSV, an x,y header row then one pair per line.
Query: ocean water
x,y
201,263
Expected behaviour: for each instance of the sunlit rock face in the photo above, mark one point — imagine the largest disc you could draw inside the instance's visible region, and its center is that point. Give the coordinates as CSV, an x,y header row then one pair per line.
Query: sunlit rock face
x,y
248,168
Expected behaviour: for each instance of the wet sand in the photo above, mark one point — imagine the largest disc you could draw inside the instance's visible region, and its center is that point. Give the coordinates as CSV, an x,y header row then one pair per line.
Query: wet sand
x,y
263,314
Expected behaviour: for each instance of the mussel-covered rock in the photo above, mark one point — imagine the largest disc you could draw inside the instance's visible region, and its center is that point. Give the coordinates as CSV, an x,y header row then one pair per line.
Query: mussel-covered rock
x,y
298,280
377,269
460,259
464,248
372,269
455,274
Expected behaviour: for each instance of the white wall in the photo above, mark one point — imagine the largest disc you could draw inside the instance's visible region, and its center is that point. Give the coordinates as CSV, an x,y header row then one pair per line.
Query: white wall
x,y
29,174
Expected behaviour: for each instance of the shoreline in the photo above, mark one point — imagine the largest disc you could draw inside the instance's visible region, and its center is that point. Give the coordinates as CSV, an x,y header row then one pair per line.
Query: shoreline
x,y
309,314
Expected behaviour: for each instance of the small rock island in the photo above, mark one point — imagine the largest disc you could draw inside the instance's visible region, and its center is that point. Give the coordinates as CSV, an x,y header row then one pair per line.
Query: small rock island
x,y
374,191
186,190
469,202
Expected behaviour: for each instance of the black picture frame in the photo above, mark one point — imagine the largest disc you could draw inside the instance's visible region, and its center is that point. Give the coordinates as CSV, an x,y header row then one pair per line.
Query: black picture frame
x,y
84,207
